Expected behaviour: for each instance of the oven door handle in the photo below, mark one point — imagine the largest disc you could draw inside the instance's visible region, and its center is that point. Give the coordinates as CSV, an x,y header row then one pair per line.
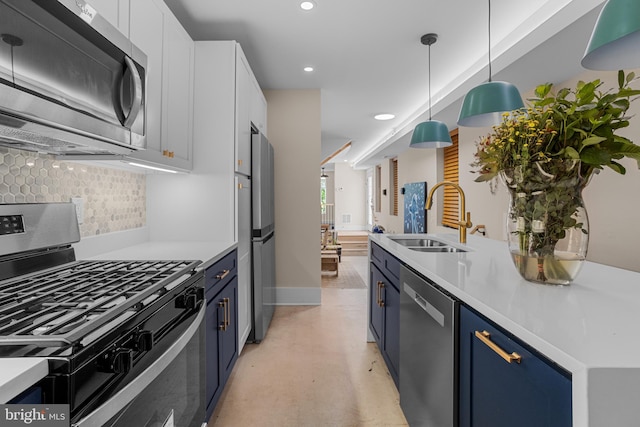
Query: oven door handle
x,y
124,397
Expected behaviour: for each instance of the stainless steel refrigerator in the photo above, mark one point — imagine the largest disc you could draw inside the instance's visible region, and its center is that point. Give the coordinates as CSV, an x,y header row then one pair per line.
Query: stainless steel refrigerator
x,y
263,236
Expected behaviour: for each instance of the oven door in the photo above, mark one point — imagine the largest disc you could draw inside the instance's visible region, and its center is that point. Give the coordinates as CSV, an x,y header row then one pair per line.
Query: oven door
x,y
170,392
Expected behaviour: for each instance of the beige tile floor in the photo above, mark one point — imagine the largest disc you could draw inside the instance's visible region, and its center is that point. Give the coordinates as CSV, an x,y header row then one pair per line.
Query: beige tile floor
x,y
314,368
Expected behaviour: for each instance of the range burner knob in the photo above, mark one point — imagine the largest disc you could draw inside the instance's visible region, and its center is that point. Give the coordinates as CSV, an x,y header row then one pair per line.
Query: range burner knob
x,y
118,361
144,341
187,301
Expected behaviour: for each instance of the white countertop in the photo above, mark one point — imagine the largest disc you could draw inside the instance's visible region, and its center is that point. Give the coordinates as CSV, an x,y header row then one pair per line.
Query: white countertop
x,y
207,252
18,374
591,327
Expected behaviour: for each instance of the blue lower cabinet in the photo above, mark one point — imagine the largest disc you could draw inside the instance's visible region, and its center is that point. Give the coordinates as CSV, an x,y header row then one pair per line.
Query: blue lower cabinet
x,y
503,382
228,334
392,331
221,328
384,318
376,309
214,384
32,395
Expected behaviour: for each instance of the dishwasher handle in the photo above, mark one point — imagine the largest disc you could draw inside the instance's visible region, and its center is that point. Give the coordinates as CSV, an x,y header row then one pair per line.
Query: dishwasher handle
x,y
435,314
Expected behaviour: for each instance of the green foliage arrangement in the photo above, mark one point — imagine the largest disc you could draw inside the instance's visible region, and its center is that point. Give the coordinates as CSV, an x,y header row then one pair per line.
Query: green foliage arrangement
x,y
547,153
578,124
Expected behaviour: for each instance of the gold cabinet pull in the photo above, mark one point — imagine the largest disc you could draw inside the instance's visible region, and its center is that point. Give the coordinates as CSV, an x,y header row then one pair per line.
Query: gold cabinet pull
x,y
222,275
223,325
227,313
380,287
485,337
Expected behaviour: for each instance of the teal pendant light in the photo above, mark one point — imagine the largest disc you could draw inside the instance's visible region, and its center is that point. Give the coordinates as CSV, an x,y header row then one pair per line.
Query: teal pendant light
x,y
615,41
484,104
432,133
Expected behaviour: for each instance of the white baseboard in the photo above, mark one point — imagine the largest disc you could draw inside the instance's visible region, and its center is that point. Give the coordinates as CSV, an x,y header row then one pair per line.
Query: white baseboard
x,y
298,296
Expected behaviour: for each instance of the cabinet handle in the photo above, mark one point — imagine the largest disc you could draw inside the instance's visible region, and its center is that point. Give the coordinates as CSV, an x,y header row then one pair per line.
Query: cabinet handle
x,y
171,153
227,313
380,287
485,337
165,153
222,275
223,325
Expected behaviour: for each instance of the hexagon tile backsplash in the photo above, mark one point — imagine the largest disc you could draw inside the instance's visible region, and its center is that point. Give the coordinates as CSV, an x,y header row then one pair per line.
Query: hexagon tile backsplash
x,y
114,199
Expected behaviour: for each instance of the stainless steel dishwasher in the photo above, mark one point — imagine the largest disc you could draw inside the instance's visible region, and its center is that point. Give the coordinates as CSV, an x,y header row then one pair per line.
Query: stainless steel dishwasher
x,y
428,352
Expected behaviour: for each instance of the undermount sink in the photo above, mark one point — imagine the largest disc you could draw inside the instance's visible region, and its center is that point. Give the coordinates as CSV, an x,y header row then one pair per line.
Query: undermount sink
x,y
425,244
422,242
436,249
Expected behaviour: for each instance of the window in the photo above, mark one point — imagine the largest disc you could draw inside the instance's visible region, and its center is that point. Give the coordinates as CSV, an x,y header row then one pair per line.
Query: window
x,y
378,201
394,185
369,199
450,214
323,193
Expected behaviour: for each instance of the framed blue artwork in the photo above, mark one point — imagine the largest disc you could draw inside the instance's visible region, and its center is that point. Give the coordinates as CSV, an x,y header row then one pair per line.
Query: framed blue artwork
x,y
415,216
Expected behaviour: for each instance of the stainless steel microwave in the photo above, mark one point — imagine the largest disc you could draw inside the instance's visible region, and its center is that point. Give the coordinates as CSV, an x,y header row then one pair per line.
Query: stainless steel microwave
x,y
70,82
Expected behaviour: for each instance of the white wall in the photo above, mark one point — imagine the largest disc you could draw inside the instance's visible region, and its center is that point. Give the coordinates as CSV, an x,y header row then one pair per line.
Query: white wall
x,y
200,206
414,165
350,192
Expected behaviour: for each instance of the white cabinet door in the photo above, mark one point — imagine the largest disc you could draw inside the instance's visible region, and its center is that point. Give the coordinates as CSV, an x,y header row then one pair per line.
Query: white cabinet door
x,y
147,29
243,120
114,11
177,94
258,107
170,58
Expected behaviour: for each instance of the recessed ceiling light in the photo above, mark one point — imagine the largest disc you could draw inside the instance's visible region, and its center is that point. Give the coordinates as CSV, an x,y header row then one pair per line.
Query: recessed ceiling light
x,y
307,5
384,116
308,69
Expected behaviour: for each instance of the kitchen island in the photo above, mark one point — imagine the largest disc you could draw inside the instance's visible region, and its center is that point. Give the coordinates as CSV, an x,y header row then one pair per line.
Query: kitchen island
x,y
588,328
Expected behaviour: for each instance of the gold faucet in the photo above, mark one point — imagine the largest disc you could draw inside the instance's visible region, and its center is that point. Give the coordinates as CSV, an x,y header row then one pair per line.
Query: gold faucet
x,y
463,224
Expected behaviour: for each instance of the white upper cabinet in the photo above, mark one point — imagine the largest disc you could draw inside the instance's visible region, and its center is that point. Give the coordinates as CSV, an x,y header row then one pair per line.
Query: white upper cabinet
x,y
251,108
147,29
114,11
258,107
243,109
170,58
178,86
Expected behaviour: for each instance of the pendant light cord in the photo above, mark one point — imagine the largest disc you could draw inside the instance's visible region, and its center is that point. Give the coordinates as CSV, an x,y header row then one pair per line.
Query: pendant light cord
x,y
489,38
429,69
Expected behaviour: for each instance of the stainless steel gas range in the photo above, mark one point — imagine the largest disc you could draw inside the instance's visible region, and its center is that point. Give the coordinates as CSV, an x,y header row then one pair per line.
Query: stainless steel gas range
x,y
124,340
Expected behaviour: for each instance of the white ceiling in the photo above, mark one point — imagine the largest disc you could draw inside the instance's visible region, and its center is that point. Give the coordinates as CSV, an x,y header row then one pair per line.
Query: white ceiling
x,y
368,57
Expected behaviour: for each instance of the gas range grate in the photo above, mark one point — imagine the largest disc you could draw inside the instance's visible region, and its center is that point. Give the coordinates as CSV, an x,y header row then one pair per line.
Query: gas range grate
x,y
62,305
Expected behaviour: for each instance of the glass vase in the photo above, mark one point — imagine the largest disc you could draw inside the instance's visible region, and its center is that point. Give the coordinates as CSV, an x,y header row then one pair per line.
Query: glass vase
x,y
547,224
